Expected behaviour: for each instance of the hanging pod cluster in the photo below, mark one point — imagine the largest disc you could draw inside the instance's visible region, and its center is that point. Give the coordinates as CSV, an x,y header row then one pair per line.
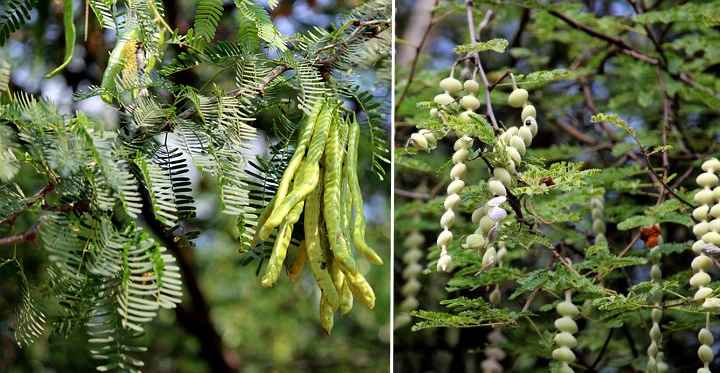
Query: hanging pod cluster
x,y
564,339
321,184
708,233
494,354
413,244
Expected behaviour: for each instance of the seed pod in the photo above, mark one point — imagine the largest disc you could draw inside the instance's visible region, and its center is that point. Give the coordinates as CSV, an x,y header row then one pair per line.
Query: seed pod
x,y
486,225
478,213
466,116
526,134
565,368
464,142
444,238
471,86
711,304
701,213
434,112
514,155
443,99
496,201
458,170
518,143
503,175
429,136
419,141
528,111
447,219
489,257
563,354
460,156
444,262
565,339
699,279
704,197
655,273
415,239
475,241
566,324
701,228
701,263
451,85
455,186
470,102
567,309
655,332
497,188
705,353
705,337
702,293
707,180
451,201
711,165
497,213
656,314
518,97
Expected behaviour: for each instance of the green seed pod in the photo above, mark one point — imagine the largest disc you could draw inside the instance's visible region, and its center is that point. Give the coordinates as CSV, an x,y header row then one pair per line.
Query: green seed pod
x,y
464,142
702,263
471,86
705,337
704,370
704,197
451,85
518,97
652,350
495,296
655,332
443,99
565,339
598,227
489,257
514,155
565,368
563,354
699,279
705,353
497,188
518,143
567,309
460,156
526,134
503,176
655,273
485,225
655,295
471,102
528,111
466,116
434,112
701,213
656,314
566,324
707,180
651,366
475,241
478,213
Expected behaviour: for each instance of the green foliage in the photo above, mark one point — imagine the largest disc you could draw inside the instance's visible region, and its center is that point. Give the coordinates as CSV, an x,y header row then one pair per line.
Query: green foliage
x,y
13,15
495,45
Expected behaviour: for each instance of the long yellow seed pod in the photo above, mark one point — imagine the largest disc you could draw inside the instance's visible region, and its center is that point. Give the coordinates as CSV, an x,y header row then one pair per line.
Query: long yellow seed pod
x,y
299,263
326,314
308,173
361,288
302,144
319,262
358,229
275,263
331,201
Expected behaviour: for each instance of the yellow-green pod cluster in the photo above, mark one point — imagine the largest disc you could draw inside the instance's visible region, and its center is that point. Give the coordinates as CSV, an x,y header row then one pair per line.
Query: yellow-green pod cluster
x,y
494,354
564,338
321,185
413,244
597,212
707,230
462,148
424,140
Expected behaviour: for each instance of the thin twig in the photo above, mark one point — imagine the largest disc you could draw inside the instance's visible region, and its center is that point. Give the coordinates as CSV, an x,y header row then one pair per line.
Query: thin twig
x,y
47,189
474,39
26,236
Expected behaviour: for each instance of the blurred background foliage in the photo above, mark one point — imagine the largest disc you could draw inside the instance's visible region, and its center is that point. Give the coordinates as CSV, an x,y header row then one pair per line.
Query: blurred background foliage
x,y
261,329
655,64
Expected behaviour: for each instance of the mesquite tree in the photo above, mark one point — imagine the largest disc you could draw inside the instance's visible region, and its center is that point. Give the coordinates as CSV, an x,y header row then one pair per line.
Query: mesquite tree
x,y
118,208
559,167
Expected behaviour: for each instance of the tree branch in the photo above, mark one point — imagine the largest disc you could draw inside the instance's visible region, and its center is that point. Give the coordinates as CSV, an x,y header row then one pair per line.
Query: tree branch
x,y
26,236
47,189
478,63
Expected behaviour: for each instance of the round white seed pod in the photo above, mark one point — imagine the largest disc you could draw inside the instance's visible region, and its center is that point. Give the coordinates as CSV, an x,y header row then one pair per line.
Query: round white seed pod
x,y
458,170
711,165
414,239
451,201
429,136
497,213
699,279
451,85
455,186
526,134
447,219
497,188
518,97
478,214
701,228
489,257
704,197
444,262
412,270
704,370
434,112
444,238
510,132
502,175
715,225
518,143
471,86
698,246
563,354
652,350
705,337
707,180
464,142
701,212
714,211
711,304
565,368
528,111
712,237
655,332
460,156
565,339
701,263
475,241
514,155
443,99
532,123
466,116
486,224
470,102
705,353
716,193
566,324
567,309
411,287
702,293
419,141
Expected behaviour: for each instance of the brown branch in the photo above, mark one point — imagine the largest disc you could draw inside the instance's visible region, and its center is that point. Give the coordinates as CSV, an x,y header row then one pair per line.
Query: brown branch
x,y
26,236
47,189
478,63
